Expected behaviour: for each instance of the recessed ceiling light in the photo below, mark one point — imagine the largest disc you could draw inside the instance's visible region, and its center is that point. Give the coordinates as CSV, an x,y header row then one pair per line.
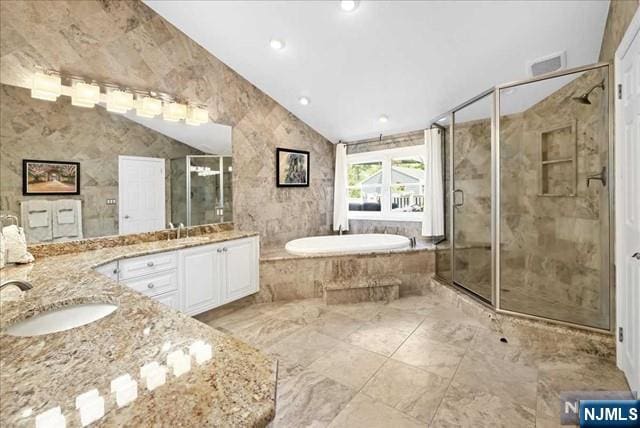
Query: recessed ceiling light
x,y
383,119
349,5
276,44
304,101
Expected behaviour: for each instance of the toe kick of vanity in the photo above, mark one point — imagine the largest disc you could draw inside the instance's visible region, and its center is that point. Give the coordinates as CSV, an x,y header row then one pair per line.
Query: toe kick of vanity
x,y
194,279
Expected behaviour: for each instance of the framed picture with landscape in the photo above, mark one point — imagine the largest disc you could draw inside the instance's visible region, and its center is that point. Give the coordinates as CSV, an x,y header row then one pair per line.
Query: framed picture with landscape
x,y
41,177
292,168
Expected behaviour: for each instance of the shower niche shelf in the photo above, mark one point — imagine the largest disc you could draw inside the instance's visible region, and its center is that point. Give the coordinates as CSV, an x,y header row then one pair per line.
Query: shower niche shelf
x,y
558,172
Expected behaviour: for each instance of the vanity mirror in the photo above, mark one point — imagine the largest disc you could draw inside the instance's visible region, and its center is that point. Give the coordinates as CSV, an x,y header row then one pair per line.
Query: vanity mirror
x,y
136,174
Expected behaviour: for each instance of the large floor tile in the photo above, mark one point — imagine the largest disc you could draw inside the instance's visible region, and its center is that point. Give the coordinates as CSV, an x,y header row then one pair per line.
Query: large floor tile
x,y
408,389
302,347
422,305
336,325
405,321
376,337
498,377
365,412
261,331
466,407
430,355
360,311
349,365
447,331
309,400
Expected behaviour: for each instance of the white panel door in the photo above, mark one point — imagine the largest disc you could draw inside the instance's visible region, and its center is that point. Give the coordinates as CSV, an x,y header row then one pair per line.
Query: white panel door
x,y
141,188
628,204
241,269
201,278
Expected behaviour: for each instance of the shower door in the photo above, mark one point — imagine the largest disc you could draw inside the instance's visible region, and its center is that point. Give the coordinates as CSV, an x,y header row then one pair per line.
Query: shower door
x,y
470,198
554,202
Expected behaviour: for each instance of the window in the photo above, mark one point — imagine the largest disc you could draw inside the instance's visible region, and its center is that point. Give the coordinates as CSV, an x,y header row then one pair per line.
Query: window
x,y
387,184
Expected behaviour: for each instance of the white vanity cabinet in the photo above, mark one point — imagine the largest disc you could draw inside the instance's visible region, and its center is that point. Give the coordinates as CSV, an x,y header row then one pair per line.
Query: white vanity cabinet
x,y
194,279
110,270
213,275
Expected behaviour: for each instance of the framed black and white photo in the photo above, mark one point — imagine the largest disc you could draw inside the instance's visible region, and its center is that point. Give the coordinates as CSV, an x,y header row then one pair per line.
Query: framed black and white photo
x,y
292,168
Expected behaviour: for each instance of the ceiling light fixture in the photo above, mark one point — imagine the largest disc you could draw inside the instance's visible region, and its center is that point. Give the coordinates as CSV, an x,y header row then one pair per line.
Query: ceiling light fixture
x,y
276,44
197,116
46,86
85,94
383,119
119,101
148,107
174,112
349,5
304,101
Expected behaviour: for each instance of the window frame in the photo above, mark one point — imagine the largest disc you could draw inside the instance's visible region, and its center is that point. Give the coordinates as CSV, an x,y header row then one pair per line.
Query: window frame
x,y
386,156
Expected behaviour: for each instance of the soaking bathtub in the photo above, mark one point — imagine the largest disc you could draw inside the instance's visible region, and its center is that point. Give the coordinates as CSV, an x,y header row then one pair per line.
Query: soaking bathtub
x,y
347,244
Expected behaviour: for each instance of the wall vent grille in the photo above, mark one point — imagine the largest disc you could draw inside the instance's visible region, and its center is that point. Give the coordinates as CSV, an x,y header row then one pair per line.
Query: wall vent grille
x,y
547,64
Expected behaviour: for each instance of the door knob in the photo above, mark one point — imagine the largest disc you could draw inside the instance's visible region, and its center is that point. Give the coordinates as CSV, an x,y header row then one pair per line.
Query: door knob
x,y
126,216
150,285
219,250
150,264
636,256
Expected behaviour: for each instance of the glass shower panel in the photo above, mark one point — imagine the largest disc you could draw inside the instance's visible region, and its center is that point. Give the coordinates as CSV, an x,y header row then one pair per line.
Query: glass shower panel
x,y
205,190
554,198
471,150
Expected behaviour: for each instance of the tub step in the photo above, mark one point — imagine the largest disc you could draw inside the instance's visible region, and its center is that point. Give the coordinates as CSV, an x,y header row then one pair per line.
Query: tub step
x,y
358,290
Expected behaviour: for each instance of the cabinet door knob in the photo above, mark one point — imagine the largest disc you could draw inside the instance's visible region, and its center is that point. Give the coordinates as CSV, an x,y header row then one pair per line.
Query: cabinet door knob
x,y
150,285
115,270
636,256
224,249
150,264
219,250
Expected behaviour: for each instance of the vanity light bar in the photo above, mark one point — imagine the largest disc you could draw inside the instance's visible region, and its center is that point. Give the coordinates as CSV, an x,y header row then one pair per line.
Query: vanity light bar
x,y
47,85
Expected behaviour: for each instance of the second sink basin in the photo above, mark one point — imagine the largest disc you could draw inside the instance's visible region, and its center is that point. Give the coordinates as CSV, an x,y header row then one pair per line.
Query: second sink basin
x,y
61,319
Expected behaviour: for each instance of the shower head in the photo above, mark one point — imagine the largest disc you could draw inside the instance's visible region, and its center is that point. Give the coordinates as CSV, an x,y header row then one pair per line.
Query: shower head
x,y
584,98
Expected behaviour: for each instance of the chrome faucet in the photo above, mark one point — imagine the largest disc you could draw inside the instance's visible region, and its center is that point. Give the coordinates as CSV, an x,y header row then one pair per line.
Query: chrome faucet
x,y
22,285
181,227
340,230
171,227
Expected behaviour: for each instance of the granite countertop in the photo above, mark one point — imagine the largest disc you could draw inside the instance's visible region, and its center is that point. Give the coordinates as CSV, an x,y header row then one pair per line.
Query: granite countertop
x,y
235,388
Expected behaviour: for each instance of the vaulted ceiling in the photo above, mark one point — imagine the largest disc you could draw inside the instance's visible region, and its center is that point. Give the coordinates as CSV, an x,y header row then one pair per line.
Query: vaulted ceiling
x,y
408,60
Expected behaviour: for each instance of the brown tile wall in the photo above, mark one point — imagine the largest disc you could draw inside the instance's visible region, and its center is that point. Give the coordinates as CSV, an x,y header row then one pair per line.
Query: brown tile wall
x,y
128,43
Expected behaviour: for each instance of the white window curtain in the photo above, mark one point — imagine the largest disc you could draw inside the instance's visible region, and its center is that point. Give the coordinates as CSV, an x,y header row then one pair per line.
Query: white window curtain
x,y
433,220
340,202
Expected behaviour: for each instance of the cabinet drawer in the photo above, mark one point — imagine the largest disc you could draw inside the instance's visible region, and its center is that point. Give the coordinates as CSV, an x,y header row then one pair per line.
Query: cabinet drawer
x,y
154,284
132,268
169,299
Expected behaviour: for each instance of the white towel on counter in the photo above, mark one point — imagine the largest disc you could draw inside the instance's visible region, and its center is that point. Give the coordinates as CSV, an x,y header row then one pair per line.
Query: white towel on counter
x,y
15,245
34,212
67,223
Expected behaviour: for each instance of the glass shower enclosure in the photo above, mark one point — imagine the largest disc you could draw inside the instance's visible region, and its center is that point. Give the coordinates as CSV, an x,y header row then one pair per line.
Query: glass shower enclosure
x,y
201,190
529,207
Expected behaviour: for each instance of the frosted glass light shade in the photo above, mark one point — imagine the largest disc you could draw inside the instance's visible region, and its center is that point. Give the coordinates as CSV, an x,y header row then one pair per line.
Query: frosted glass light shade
x,y
119,101
85,94
46,86
148,107
173,112
197,116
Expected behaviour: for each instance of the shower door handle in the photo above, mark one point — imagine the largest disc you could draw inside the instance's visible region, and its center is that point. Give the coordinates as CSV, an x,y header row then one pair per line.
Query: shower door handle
x,y
600,176
455,204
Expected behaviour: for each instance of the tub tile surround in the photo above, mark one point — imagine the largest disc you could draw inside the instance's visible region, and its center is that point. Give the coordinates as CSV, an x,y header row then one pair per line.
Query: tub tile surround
x,y
235,388
436,359
288,277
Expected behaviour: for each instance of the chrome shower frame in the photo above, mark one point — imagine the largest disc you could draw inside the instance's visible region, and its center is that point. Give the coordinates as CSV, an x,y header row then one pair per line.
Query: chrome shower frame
x,y
608,248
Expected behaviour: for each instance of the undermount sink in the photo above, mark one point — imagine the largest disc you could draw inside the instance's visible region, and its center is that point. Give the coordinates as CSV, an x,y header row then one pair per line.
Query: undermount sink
x,y
61,319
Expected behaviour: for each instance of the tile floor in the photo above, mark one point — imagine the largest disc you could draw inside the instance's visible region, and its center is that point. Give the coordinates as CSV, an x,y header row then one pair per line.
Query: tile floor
x,y
415,362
